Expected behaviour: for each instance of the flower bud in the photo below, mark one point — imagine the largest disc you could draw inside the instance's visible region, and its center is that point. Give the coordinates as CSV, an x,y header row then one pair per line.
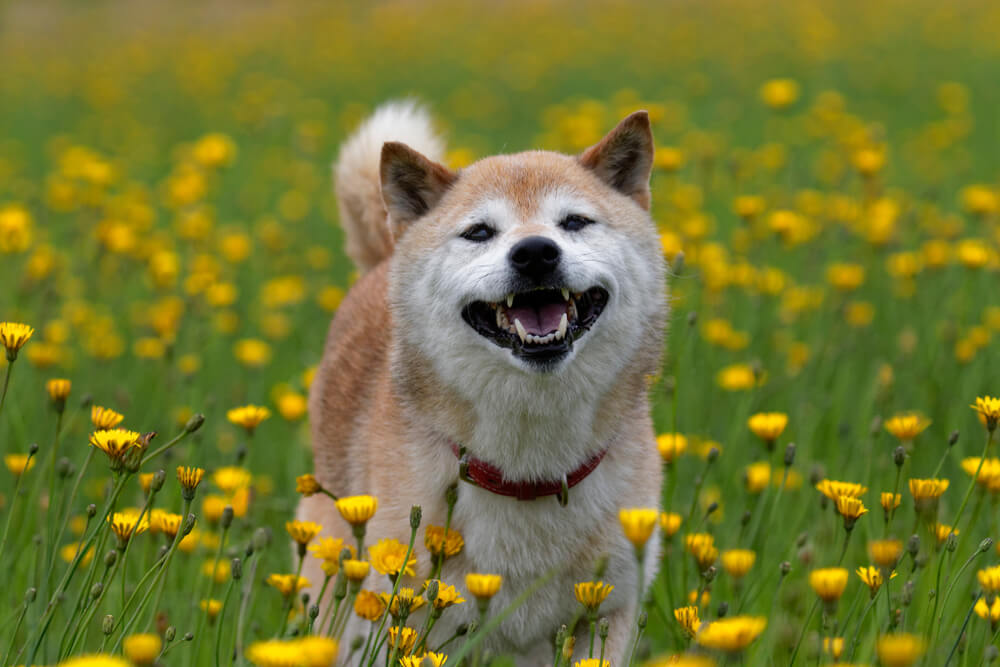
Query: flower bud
x,y
227,517
158,478
415,514
745,518
913,545
561,636
951,542
710,573
30,595
357,643
899,456
261,538
713,454
677,267
110,558
432,590
451,495
33,449
188,636
194,423
692,318
723,609
790,454
237,569
188,526
65,468
642,620
313,612
567,648
711,508
603,628
108,625
952,438
785,567
91,510
986,545
96,590
169,634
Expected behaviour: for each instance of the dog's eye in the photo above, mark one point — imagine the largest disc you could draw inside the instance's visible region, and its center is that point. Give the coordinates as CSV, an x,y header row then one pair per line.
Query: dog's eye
x,y
479,233
574,223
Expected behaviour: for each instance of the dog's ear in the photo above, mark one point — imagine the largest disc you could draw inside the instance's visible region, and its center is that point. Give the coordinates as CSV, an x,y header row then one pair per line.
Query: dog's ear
x,y
411,184
624,158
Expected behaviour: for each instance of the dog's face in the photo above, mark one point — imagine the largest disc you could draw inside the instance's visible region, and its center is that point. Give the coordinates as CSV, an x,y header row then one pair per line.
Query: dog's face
x,y
532,263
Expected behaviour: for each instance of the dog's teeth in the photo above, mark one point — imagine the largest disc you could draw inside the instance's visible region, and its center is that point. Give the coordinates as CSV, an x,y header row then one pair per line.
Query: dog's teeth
x,y
510,299
499,319
565,293
563,324
521,332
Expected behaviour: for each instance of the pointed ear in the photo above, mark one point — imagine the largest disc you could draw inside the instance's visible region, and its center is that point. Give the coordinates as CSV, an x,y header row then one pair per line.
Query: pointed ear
x,y
411,184
624,158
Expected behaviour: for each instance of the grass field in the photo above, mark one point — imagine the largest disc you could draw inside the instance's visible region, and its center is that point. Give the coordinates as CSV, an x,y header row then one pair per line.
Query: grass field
x,y
827,187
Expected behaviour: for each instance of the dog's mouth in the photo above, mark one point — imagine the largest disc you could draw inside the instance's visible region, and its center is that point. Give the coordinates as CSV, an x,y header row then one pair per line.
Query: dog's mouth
x,y
538,325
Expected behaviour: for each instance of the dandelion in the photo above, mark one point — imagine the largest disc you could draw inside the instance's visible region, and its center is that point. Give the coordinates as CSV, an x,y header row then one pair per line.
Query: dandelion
x,y
357,510
287,584
167,523
307,485
248,416
828,583
833,647
369,606
591,594
189,478
851,509
670,446
18,464
638,524
889,502
356,570
439,544
988,408
13,336
302,532
292,406
988,611
989,579
872,576
926,492
731,634
447,596
757,476
115,443
885,553
142,649
252,352
737,562
832,489
907,426
768,426
688,619
779,94
328,550
58,390
942,531
427,659
405,601
483,586
104,419
986,471
388,556
211,608
97,660
899,650
592,662
738,377
401,640
670,523
126,524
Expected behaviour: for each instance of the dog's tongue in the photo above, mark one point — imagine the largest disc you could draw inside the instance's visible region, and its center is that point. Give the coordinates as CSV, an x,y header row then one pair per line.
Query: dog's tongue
x,y
538,320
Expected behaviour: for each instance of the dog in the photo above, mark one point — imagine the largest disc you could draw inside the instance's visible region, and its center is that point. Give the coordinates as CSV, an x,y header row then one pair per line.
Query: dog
x,y
506,320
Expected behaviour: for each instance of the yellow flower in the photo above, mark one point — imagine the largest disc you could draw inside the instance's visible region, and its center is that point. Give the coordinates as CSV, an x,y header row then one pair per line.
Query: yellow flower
x,y
942,531
899,650
214,150
357,510
845,277
739,377
483,586
757,476
446,597
670,523
189,477
768,426
303,532
988,408
402,639
702,547
211,607
907,426
731,634
13,336
688,619
69,551
925,492
104,418
387,557
833,647
591,593
989,579
989,473
58,390
142,649
592,662
292,406
737,562
328,550
885,553
231,479
369,606
638,524
18,464
433,659
248,416
779,93
164,522
832,489
406,599
851,509
126,523
671,445
890,501
989,612
252,352
356,570
308,651
307,485
872,576
287,584
828,583
437,543
749,207
115,443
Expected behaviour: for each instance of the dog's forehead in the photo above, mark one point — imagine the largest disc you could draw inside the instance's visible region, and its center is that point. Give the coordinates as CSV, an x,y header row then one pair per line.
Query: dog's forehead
x,y
528,184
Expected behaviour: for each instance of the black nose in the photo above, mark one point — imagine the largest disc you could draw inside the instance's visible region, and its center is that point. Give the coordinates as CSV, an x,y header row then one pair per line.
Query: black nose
x,y
535,257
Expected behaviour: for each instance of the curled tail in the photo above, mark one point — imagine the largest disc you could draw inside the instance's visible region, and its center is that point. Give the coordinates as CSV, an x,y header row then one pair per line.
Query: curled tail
x,y
357,183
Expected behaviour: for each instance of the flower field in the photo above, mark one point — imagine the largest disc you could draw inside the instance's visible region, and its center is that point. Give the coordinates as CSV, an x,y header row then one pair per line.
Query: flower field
x,y
827,191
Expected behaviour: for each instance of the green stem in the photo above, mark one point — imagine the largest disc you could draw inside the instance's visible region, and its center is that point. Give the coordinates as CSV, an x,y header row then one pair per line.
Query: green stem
x,y
13,635
219,624
395,591
861,621
965,624
6,383
951,587
972,484
10,511
805,627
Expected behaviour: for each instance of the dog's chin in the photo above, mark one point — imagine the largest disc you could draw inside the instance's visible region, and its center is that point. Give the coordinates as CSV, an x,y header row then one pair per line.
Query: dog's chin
x,y
541,326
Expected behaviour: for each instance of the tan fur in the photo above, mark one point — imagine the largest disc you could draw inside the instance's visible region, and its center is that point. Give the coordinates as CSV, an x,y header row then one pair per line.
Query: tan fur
x,y
382,415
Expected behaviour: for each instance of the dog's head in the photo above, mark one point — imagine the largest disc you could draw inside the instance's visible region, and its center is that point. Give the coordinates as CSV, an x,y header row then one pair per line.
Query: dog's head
x,y
530,264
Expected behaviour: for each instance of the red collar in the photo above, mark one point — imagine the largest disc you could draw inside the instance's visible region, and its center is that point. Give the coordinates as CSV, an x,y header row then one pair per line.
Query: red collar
x,y
491,478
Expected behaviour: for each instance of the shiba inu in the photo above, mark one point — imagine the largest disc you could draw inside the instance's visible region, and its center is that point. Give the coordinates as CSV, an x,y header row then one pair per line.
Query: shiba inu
x,y
509,312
